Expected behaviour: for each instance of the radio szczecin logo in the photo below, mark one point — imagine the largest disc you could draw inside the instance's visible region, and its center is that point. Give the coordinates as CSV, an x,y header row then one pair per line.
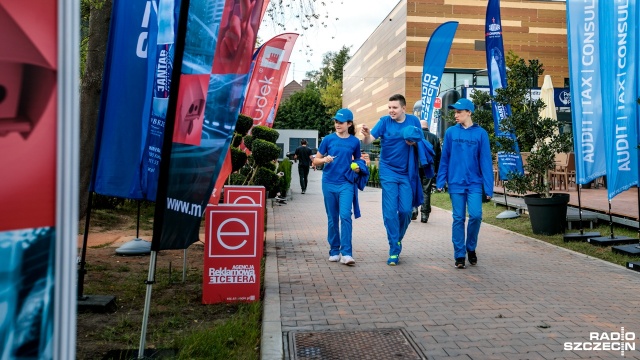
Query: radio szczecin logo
x,y
613,341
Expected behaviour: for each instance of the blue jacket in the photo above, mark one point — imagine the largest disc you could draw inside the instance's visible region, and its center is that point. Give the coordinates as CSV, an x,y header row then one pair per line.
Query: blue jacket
x,y
422,158
466,162
359,181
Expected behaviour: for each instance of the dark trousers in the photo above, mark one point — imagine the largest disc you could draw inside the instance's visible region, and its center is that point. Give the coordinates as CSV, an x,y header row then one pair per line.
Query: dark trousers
x,y
427,185
303,171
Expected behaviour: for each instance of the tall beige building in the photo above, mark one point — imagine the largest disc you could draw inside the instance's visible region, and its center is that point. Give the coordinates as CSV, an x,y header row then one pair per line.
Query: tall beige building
x,y
391,59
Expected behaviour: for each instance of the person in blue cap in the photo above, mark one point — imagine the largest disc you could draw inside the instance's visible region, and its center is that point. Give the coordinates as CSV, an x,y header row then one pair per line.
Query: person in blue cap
x,y
466,167
337,152
397,192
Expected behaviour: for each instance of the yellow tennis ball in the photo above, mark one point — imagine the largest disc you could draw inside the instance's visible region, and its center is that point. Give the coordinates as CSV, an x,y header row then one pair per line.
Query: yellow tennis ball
x,y
354,166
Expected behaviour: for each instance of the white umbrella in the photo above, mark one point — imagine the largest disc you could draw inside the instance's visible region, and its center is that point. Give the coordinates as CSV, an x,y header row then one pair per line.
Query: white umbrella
x,y
546,95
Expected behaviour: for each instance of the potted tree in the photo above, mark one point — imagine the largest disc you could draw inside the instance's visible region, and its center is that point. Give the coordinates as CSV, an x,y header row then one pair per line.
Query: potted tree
x,y
542,139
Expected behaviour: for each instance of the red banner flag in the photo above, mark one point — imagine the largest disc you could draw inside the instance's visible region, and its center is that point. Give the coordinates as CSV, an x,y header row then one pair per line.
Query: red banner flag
x,y
266,77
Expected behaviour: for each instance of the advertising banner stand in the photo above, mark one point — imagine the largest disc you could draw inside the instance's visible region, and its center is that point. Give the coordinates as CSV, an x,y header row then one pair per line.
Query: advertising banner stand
x,y
248,195
232,253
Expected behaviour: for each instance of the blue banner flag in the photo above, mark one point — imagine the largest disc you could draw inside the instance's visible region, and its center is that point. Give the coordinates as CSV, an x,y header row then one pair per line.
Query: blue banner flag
x,y
435,58
618,44
507,161
161,61
124,101
586,107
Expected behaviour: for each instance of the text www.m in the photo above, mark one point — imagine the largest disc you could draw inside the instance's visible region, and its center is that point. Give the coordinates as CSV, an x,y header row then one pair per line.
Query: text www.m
x,y
184,207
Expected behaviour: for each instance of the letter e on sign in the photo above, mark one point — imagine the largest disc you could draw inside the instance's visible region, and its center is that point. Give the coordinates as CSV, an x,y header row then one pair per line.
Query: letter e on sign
x,y
233,233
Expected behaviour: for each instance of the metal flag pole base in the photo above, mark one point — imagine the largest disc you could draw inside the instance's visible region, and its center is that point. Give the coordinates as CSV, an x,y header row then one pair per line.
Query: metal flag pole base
x,y
611,239
97,304
507,214
633,265
581,236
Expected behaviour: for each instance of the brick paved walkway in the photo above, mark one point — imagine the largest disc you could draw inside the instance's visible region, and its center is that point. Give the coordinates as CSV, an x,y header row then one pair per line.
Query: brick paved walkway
x,y
524,300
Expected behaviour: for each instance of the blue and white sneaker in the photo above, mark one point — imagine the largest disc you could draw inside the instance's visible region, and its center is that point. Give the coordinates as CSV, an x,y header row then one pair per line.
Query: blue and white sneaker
x,y
393,260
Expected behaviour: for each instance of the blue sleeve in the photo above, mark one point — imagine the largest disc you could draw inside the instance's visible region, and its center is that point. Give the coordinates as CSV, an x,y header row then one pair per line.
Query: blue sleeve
x,y
378,129
324,145
444,161
486,164
357,154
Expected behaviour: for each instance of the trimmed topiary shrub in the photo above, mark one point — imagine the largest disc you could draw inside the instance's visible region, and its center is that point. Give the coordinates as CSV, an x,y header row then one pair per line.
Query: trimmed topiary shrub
x,y
265,133
243,125
264,152
266,178
238,159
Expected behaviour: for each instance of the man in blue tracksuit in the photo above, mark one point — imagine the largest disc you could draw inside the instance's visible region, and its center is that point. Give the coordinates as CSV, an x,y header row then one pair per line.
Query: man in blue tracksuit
x,y
397,194
466,167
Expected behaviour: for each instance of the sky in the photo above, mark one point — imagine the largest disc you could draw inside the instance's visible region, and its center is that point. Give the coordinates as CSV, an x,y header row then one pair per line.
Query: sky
x,y
349,23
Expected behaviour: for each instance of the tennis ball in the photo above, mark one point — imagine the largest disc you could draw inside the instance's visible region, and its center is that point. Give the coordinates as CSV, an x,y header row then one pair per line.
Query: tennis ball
x,y
354,166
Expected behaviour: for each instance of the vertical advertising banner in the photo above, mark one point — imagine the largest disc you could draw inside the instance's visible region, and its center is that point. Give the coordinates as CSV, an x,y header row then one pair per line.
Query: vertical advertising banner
x,y
35,298
266,77
124,100
233,251
497,71
586,107
435,58
618,46
213,77
160,59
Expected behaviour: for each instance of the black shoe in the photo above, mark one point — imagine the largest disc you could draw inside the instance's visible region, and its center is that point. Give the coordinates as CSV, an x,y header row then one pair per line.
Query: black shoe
x,y
473,259
425,218
414,215
303,191
460,263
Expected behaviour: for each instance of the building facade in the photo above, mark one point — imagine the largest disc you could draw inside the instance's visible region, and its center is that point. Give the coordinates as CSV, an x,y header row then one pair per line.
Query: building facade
x,y
391,59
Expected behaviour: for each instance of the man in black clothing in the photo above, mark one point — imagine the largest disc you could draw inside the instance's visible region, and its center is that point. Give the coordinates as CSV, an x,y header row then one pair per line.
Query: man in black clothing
x,y
303,155
428,183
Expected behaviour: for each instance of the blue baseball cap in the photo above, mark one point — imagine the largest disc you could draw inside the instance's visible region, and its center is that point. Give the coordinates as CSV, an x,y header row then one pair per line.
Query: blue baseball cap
x,y
463,104
343,115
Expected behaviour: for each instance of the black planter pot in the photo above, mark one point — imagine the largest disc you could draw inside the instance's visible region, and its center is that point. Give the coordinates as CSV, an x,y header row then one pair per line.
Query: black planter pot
x,y
548,216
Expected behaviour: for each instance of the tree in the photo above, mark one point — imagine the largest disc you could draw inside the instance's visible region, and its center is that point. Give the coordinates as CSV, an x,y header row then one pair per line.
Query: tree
x,y
331,96
332,67
96,16
304,110
539,136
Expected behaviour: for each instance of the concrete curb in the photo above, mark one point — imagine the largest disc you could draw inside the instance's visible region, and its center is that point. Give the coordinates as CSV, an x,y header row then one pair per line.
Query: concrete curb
x,y
271,342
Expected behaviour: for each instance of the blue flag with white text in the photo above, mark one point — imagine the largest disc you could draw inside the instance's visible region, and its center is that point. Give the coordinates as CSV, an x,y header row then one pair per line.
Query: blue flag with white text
x,y
586,107
124,100
507,161
435,58
618,46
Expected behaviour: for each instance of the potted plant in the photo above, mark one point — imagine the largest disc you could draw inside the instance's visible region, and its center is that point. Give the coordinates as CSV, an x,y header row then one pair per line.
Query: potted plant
x,y
541,138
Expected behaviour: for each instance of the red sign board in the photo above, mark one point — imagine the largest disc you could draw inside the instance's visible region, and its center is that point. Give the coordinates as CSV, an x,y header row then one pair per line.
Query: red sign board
x,y
234,194
247,195
437,103
233,249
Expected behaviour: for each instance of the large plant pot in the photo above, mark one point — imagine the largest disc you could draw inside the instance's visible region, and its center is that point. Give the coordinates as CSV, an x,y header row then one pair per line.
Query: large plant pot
x,y
548,216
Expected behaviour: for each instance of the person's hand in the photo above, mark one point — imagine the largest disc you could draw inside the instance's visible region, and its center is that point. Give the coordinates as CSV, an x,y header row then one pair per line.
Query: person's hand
x,y
365,131
327,159
409,142
440,189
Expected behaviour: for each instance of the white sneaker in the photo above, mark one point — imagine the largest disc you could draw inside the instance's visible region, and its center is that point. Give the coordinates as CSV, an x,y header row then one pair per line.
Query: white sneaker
x,y
347,260
334,258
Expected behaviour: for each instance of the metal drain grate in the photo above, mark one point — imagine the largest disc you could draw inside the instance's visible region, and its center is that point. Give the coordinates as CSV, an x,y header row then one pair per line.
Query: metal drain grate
x,y
364,344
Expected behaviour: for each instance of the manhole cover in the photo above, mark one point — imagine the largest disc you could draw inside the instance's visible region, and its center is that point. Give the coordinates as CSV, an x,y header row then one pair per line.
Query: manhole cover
x,y
365,344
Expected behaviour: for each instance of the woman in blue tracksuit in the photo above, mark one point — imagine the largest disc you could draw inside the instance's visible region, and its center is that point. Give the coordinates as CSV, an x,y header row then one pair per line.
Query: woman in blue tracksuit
x,y
466,167
337,151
